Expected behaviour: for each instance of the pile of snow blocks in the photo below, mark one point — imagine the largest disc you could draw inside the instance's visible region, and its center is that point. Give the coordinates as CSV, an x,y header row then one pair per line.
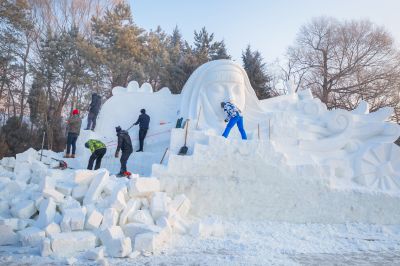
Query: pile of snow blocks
x,y
65,212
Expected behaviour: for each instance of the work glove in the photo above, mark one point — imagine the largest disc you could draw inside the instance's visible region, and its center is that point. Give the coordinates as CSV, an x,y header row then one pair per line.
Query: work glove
x,y
116,154
226,120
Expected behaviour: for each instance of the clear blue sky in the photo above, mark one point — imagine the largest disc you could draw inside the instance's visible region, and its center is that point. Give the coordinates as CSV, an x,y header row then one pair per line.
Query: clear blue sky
x,y
268,26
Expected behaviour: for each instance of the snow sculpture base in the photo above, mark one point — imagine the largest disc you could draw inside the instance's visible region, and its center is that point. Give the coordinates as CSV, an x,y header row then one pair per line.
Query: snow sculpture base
x,y
250,180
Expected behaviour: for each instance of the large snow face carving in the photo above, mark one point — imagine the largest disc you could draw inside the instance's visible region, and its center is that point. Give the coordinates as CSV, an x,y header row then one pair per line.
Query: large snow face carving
x,y
213,83
225,85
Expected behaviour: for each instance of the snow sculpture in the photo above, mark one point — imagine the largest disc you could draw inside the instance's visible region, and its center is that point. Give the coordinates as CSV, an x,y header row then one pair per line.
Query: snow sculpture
x,y
379,167
212,83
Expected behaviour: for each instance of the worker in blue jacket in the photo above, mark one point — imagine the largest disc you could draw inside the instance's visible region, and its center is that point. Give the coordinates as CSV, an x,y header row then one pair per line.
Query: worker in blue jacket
x,y
143,122
233,118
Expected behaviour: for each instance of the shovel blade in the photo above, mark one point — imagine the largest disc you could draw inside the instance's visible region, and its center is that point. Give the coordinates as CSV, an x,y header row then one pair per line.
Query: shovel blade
x,y
183,150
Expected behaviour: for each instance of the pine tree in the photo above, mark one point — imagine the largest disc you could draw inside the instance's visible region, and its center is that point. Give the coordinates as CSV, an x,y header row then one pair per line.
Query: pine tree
x,y
120,45
255,69
157,58
219,51
176,77
206,49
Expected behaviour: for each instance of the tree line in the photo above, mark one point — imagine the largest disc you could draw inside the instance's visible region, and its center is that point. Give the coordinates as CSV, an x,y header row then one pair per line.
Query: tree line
x,y
54,54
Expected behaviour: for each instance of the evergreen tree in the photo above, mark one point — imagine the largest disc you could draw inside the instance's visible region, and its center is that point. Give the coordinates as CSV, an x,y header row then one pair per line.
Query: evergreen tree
x,y
255,69
176,77
206,49
155,65
219,51
120,45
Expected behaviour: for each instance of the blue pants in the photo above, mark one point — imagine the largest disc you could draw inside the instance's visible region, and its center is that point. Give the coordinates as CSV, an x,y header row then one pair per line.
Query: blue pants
x,y
235,120
71,142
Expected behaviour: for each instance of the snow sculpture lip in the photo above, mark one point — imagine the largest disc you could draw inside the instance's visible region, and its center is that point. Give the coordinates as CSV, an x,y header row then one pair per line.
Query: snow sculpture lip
x,y
214,82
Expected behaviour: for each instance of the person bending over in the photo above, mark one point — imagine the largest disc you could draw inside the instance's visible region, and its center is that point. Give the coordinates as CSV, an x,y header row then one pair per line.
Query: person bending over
x,y
98,150
233,118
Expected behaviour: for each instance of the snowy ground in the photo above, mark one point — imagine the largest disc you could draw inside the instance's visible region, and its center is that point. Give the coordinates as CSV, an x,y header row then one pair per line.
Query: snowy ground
x,y
258,243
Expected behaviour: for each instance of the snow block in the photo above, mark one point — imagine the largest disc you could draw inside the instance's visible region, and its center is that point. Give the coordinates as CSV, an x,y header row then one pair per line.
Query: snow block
x,y
133,229
180,204
93,220
47,212
141,216
4,206
52,229
143,186
177,223
10,190
110,218
66,244
7,236
145,242
65,188
47,182
94,254
69,203
8,162
28,156
38,170
79,192
117,245
84,177
45,248
132,206
163,223
22,172
117,199
31,236
15,223
75,217
96,187
158,205
24,209
52,193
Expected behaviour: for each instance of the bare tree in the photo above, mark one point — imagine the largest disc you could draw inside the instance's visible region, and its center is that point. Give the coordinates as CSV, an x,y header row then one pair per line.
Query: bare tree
x,y
344,62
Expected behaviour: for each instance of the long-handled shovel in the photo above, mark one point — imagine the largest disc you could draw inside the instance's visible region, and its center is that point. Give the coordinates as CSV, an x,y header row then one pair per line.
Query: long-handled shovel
x,y
184,148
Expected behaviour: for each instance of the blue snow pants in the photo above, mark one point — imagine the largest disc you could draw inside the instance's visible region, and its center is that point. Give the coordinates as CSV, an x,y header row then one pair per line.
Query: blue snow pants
x,y
235,120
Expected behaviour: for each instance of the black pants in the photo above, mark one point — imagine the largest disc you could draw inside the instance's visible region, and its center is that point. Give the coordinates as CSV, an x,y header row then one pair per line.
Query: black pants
x,y
91,120
71,142
142,135
96,155
124,159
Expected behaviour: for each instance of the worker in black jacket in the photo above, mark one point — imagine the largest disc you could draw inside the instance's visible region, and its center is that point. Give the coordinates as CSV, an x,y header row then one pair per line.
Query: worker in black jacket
x,y
94,110
125,145
143,121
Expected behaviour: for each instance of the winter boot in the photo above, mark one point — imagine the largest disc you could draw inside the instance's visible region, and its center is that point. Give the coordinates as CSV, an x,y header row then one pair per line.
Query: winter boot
x,y
72,156
67,155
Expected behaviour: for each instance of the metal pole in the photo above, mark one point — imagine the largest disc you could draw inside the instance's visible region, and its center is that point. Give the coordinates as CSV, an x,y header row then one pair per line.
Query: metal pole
x,y
41,152
258,131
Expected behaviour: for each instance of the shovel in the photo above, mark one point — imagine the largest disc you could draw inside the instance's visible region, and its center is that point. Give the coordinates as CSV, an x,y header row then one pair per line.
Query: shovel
x,y
184,148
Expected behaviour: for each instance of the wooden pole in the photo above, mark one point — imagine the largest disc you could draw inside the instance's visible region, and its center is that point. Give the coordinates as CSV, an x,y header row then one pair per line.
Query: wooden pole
x,y
269,129
41,152
198,118
162,159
